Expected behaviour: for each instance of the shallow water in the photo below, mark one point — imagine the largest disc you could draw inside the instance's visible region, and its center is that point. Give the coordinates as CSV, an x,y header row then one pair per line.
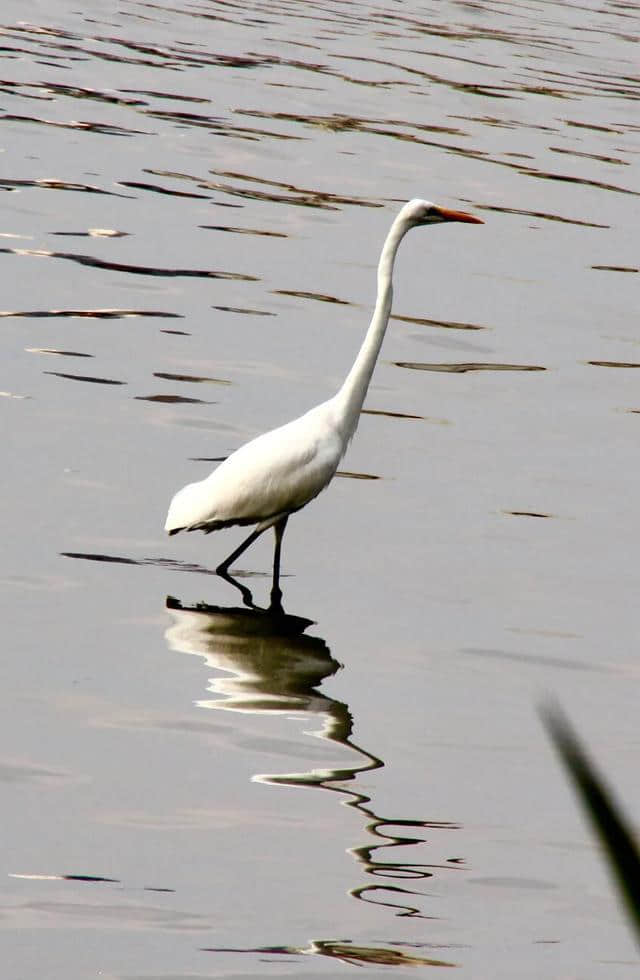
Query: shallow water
x,y
194,200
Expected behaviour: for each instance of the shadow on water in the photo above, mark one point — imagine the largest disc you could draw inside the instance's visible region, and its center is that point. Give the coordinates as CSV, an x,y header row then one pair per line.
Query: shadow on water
x,y
266,663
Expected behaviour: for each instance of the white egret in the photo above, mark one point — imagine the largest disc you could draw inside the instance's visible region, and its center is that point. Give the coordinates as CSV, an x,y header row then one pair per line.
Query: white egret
x,y
277,473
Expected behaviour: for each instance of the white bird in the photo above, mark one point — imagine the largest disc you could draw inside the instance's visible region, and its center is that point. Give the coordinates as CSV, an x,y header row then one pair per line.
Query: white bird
x,y
279,472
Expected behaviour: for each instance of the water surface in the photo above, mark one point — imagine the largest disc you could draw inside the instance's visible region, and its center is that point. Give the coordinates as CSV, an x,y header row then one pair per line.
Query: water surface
x,y
194,199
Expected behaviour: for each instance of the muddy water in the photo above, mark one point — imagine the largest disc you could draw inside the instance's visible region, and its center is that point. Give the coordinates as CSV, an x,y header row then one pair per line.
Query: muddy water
x,y
194,198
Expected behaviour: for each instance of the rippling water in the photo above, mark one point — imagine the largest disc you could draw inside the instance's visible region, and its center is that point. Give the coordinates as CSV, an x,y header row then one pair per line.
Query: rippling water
x,y
194,200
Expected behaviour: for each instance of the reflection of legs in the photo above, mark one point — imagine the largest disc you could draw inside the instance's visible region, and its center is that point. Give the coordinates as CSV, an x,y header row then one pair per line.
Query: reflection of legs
x,y
245,592
276,591
223,567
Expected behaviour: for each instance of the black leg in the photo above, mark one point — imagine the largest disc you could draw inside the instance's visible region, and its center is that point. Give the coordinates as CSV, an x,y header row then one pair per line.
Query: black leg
x,y
223,567
276,591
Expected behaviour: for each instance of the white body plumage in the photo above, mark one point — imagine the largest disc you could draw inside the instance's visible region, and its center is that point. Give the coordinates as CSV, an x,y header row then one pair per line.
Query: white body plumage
x,y
277,473
273,475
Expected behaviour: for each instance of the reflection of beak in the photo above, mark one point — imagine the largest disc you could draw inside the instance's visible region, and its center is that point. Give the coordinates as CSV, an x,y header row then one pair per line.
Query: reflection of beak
x,y
448,215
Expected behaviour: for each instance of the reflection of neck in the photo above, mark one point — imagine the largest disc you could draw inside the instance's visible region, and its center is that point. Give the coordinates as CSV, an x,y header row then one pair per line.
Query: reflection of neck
x,y
351,396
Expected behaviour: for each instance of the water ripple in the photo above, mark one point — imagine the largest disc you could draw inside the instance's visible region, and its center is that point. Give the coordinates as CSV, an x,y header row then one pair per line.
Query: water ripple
x,y
138,270
464,366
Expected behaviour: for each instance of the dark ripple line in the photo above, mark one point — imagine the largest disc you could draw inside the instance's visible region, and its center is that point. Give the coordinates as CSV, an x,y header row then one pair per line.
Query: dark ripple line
x,y
169,57
389,414
568,178
90,314
85,377
140,270
192,378
241,309
349,475
152,93
526,513
87,879
616,364
339,123
140,185
192,118
172,400
307,197
590,156
242,231
301,294
54,351
79,92
615,268
463,367
90,878
487,89
51,183
170,563
447,324
540,214
108,129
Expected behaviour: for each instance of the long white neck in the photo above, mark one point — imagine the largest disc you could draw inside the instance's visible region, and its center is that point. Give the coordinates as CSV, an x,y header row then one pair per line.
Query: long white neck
x,y
350,398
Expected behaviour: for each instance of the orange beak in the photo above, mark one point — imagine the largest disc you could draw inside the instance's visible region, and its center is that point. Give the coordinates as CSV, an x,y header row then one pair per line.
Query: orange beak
x,y
448,215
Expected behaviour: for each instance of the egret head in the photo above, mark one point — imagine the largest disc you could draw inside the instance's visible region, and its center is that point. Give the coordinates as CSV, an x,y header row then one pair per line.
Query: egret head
x,y
418,212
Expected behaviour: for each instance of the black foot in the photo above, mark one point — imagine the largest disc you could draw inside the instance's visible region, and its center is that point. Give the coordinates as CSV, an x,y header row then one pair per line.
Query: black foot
x,y
276,607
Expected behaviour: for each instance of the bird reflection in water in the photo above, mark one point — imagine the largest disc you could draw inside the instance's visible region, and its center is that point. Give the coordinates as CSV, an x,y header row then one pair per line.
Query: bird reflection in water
x,y
267,663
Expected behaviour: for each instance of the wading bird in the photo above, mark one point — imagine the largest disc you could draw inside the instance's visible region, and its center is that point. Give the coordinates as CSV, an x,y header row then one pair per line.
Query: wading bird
x,y
281,471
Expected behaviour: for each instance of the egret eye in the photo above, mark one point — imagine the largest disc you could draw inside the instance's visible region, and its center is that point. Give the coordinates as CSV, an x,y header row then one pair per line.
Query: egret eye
x,y
428,215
